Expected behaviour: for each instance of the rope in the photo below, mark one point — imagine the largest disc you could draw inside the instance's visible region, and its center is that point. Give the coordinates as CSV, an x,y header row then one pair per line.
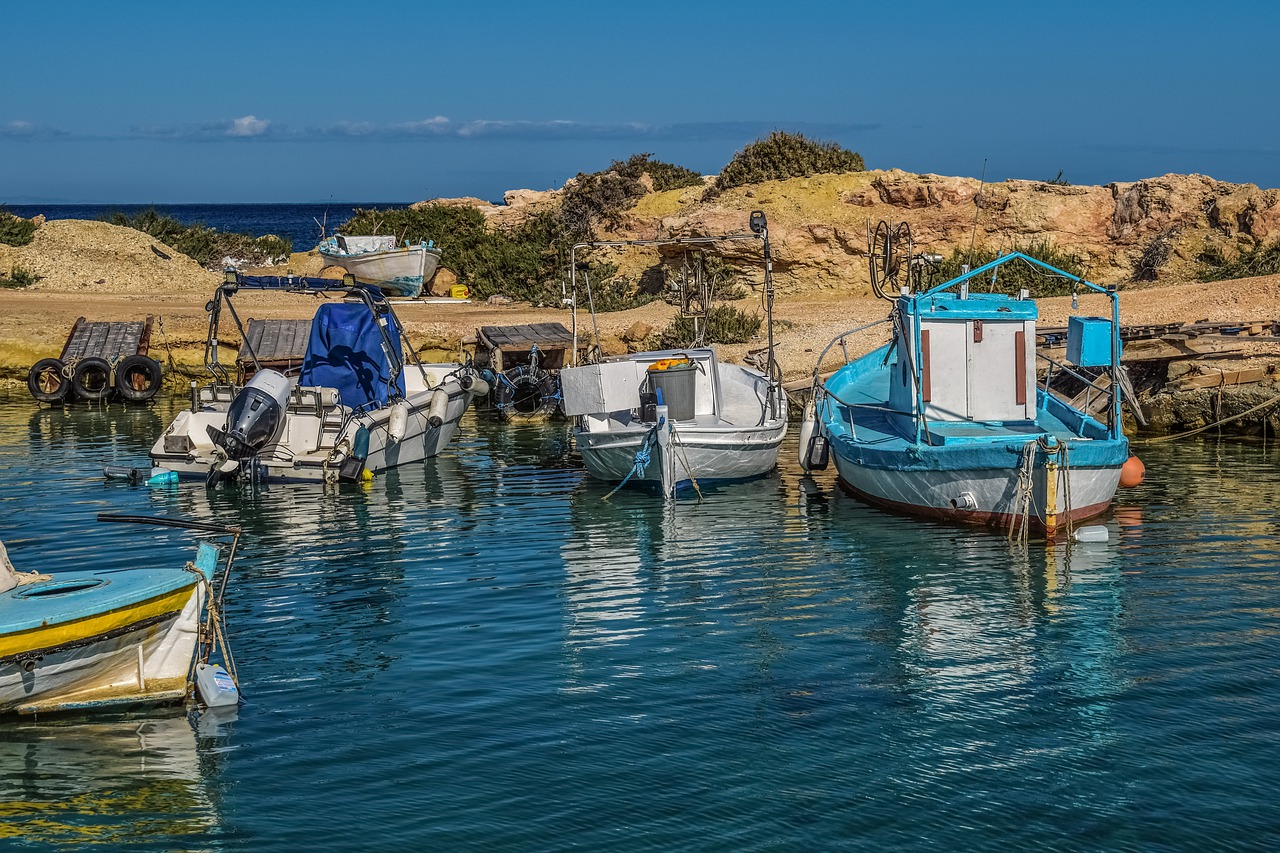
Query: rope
x,y
1273,401
214,635
685,456
1064,476
643,456
1022,498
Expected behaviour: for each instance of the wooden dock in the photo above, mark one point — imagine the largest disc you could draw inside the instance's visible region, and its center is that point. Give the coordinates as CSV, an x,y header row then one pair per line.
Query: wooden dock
x,y
279,344
99,360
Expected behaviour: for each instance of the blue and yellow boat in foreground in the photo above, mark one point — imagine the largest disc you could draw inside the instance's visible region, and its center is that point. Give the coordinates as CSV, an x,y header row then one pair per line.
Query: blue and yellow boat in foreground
x,y
103,638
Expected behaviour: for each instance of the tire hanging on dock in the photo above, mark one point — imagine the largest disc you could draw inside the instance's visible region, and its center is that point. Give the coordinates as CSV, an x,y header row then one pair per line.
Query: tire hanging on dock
x,y
138,378
47,382
91,379
531,391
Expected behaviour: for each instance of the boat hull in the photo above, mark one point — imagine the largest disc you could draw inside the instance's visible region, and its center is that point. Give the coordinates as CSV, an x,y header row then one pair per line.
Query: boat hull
x,y
697,453
986,495
115,649
397,272
306,452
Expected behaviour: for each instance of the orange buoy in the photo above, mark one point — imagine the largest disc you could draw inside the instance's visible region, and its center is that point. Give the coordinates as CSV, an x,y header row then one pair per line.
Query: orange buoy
x,y
1132,472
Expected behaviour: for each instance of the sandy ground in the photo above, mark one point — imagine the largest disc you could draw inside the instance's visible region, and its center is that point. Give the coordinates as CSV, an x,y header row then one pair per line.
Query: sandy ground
x,y
34,324
103,272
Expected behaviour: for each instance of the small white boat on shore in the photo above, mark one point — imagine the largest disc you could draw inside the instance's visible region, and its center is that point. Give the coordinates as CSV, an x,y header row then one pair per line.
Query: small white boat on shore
x,y
355,408
377,260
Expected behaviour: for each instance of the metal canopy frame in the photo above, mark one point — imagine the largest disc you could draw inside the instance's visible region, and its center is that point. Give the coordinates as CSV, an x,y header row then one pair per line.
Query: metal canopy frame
x,y
760,231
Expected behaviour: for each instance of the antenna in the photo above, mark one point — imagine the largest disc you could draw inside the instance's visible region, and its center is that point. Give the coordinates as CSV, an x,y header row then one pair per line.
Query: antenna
x,y
977,211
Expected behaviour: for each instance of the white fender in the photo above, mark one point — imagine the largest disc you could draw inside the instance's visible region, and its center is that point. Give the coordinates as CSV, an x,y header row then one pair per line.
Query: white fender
x,y
808,424
398,422
474,385
439,406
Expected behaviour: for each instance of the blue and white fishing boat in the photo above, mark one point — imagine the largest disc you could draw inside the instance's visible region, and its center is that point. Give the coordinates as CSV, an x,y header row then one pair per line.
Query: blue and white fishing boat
x,y
96,638
948,420
377,260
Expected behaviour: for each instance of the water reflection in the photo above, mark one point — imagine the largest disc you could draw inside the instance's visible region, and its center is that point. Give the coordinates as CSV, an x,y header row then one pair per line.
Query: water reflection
x,y
122,781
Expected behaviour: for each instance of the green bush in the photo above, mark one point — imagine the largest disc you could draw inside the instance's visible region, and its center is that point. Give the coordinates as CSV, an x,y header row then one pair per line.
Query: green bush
x,y
599,198
1016,275
1255,260
19,276
209,247
527,262
723,324
782,155
14,230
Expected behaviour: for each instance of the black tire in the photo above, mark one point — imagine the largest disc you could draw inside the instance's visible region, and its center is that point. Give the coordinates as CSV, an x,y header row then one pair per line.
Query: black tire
x,y
46,381
91,379
138,378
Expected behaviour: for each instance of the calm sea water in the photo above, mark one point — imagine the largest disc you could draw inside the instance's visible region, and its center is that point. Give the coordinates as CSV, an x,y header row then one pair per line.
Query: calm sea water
x,y
298,222
479,653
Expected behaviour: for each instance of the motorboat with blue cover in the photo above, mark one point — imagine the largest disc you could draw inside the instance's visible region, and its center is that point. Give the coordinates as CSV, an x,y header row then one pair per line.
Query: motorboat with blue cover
x,y
97,638
355,408
948,419
377,260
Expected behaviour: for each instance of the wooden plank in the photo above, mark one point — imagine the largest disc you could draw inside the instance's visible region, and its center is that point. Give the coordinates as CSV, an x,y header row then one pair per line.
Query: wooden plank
x,y
1220,379
1020,367
926,389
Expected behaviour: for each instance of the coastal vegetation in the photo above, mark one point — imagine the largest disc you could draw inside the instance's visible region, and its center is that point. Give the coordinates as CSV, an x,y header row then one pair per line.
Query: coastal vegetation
x,y
782,155
19,276
528,261
1258,259
209,247
14,230
722,324
1036,281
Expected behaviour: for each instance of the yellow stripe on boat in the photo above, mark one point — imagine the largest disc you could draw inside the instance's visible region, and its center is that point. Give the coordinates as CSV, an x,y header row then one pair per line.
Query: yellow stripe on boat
x,y
53,636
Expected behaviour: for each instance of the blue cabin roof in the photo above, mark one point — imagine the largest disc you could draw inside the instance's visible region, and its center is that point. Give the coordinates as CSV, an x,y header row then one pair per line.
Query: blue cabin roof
x,y
976,306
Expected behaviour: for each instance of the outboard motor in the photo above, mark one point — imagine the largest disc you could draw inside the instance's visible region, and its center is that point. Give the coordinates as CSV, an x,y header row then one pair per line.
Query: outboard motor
x,y
256,417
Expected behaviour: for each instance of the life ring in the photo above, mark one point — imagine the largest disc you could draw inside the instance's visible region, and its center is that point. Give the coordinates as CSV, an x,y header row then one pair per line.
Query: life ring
x,y
91,378
47,382
138,378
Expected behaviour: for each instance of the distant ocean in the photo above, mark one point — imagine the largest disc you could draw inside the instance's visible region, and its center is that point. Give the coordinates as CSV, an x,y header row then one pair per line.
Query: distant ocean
x,y
297,222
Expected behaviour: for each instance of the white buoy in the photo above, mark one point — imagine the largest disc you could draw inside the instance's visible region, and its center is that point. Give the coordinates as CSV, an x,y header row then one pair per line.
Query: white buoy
x,y
1092,533
217,687
808,422
398,422
439,405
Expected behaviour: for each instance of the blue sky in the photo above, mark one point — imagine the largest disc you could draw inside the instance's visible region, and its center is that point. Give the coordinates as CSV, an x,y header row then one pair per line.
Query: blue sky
x,y
290,101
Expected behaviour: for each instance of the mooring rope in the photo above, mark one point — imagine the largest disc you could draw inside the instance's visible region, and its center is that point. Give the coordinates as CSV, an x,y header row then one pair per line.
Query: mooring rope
x,y
1022,498
685,456
642,458
1158,439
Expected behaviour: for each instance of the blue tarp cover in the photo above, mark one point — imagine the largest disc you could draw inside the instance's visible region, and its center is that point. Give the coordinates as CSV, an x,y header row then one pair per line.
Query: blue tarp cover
x,y
345,352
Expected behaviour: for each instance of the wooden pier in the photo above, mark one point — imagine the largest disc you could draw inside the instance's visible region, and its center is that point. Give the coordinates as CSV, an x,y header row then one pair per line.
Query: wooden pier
x,y
99,360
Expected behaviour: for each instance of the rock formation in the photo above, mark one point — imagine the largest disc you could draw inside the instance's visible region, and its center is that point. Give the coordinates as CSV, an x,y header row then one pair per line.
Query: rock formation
x,y
818,225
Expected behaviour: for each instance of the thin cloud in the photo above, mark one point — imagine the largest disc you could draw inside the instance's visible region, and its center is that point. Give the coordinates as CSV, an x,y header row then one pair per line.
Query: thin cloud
x,y
251,127
25,130
245,127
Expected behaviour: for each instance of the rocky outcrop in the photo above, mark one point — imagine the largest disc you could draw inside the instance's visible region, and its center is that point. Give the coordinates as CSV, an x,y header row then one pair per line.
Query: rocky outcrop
x,y
818,225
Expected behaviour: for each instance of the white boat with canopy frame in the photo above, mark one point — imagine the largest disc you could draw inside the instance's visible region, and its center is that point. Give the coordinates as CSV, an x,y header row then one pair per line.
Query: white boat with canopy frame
x,y
354,409
674,417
